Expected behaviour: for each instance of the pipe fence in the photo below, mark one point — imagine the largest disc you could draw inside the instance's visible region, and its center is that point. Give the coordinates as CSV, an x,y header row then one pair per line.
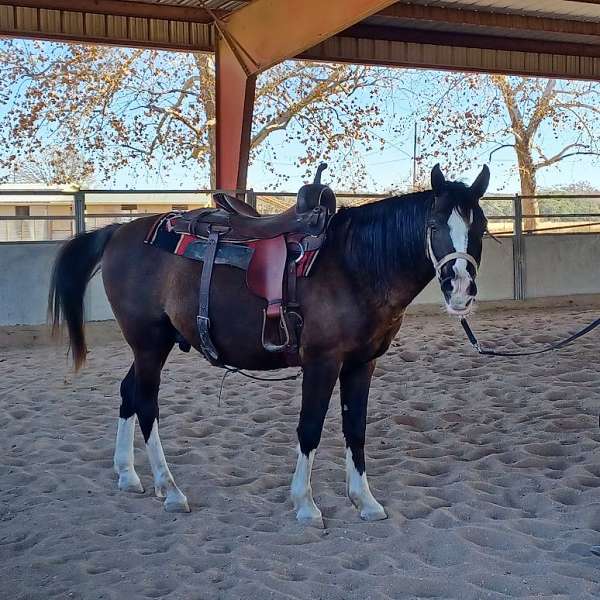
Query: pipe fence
x,y
31,216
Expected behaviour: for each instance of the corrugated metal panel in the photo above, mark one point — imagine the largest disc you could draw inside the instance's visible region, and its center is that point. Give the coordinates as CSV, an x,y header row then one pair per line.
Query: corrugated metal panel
x,y
180,35
405,54
222,5
540,8
73,25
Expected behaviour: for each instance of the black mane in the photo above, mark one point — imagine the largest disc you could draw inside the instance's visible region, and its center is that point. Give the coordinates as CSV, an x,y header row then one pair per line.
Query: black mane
x,y
384,239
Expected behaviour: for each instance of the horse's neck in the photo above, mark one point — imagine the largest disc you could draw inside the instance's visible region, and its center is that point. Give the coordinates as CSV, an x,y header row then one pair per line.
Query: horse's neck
x,y
405,286
409,285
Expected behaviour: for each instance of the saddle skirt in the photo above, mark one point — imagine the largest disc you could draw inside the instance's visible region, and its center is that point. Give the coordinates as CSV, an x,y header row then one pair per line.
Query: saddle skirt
x,y
172,235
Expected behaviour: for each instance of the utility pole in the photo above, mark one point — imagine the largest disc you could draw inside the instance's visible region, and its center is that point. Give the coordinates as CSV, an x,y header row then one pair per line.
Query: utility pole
x,y
414,183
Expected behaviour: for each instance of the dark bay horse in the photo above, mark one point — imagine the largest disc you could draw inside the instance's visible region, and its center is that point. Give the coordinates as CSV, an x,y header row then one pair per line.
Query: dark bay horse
x,y
376,259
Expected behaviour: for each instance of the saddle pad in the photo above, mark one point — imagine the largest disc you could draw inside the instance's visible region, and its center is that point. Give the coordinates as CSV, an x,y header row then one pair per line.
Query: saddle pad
x,y
162,236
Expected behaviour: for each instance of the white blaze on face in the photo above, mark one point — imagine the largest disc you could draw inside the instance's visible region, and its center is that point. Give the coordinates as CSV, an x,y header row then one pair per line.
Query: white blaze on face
x,y
459,234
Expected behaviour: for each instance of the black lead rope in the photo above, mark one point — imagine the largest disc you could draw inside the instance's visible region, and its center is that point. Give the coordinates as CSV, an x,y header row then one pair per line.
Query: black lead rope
x,y
232,371
561,344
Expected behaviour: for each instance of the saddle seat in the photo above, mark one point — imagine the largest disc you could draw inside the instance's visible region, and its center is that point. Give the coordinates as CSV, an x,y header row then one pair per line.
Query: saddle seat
x,y
236,227
237,221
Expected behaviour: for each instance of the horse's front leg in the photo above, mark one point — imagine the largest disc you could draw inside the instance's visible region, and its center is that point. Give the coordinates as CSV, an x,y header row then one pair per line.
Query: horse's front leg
x,y
317,385
355,381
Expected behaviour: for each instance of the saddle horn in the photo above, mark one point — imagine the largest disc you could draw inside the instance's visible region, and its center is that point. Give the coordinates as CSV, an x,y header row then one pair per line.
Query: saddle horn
x,y
320,169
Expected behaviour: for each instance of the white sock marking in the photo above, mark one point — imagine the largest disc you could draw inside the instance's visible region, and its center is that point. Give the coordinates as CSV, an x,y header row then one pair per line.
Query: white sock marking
x,y
164,483
360,493
302,491
123,458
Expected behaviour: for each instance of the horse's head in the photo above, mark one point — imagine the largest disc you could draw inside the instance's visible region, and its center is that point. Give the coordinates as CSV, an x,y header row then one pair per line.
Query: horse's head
x,y
454,237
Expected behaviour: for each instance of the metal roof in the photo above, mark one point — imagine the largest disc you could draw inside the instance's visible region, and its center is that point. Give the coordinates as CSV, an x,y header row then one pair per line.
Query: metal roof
x,y
541,37
225,6
572,9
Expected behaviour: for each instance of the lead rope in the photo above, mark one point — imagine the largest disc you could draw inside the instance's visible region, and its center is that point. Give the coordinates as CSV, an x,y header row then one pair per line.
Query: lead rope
x,y
438,264
475,343
231,371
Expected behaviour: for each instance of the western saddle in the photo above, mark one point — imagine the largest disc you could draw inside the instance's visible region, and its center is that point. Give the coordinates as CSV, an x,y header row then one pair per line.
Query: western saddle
x,y
284,247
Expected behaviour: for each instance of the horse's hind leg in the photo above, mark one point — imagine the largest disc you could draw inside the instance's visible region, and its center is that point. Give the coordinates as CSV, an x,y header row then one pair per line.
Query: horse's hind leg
x,y
123,459
355,381
148,364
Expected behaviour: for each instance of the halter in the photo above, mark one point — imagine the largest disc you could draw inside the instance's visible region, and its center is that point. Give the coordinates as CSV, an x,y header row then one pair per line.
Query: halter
x,y
438,264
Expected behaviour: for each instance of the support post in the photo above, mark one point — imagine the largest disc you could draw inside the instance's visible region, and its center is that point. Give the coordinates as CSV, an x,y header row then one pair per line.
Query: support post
x,y
234,107
251,197
253,38
79,211
518,251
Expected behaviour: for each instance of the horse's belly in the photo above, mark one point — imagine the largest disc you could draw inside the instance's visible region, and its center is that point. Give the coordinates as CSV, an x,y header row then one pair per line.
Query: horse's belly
x,y
235,318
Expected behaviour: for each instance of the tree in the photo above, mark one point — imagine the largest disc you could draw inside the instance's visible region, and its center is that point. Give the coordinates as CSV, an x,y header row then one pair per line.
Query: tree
x,y
55,166
151,110
543,121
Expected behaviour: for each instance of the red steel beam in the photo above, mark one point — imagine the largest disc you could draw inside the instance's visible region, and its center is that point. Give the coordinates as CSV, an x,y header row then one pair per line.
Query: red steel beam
x,y
270,31
254,38
234,108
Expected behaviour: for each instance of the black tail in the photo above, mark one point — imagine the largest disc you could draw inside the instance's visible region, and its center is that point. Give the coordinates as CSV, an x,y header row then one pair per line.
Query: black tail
x,y
73,268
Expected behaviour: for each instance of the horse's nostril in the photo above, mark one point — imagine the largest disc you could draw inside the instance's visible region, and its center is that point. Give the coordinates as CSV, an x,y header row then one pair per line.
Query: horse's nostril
x,y
469,302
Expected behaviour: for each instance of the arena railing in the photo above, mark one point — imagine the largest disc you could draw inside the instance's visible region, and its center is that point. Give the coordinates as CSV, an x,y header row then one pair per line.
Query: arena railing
x,y
555,214
505,213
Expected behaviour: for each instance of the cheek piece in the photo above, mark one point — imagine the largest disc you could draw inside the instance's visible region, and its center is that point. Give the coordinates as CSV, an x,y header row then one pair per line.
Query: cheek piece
x,y
438,264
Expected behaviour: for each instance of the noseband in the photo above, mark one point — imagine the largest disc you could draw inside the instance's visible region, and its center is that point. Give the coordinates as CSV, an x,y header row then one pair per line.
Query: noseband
x,y
438,264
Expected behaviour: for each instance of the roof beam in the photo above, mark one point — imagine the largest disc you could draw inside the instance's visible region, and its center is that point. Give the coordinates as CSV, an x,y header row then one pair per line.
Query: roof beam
x,y
266,32
122,9
480,18
469,40
453,58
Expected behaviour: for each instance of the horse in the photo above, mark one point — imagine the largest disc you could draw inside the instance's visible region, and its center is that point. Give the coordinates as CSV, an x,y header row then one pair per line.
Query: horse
x,y
375,260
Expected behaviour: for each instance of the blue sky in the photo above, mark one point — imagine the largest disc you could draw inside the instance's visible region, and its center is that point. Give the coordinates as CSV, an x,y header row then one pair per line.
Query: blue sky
x,y
386,169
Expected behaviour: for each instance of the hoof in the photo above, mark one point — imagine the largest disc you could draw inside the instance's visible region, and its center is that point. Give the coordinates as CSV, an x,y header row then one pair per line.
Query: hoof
x,y
177,506
129,482
310,518
316,522
176,502
373,514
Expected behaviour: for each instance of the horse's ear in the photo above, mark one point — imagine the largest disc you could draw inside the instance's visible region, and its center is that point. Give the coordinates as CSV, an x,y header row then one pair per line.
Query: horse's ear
x,y
437,179
480,185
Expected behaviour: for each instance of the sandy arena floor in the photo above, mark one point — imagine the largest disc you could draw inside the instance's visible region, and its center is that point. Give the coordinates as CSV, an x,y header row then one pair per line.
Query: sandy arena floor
x,y
489,470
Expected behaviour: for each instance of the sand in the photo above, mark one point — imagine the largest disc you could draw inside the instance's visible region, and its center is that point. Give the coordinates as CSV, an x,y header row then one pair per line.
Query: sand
x,y
489,470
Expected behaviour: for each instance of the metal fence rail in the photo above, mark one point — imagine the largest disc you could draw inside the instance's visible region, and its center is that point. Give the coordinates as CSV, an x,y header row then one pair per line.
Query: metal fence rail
x,y
505,213
573,214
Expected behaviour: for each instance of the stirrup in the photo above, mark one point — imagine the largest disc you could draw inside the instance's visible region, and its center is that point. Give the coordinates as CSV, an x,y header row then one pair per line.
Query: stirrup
x,y
270,346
